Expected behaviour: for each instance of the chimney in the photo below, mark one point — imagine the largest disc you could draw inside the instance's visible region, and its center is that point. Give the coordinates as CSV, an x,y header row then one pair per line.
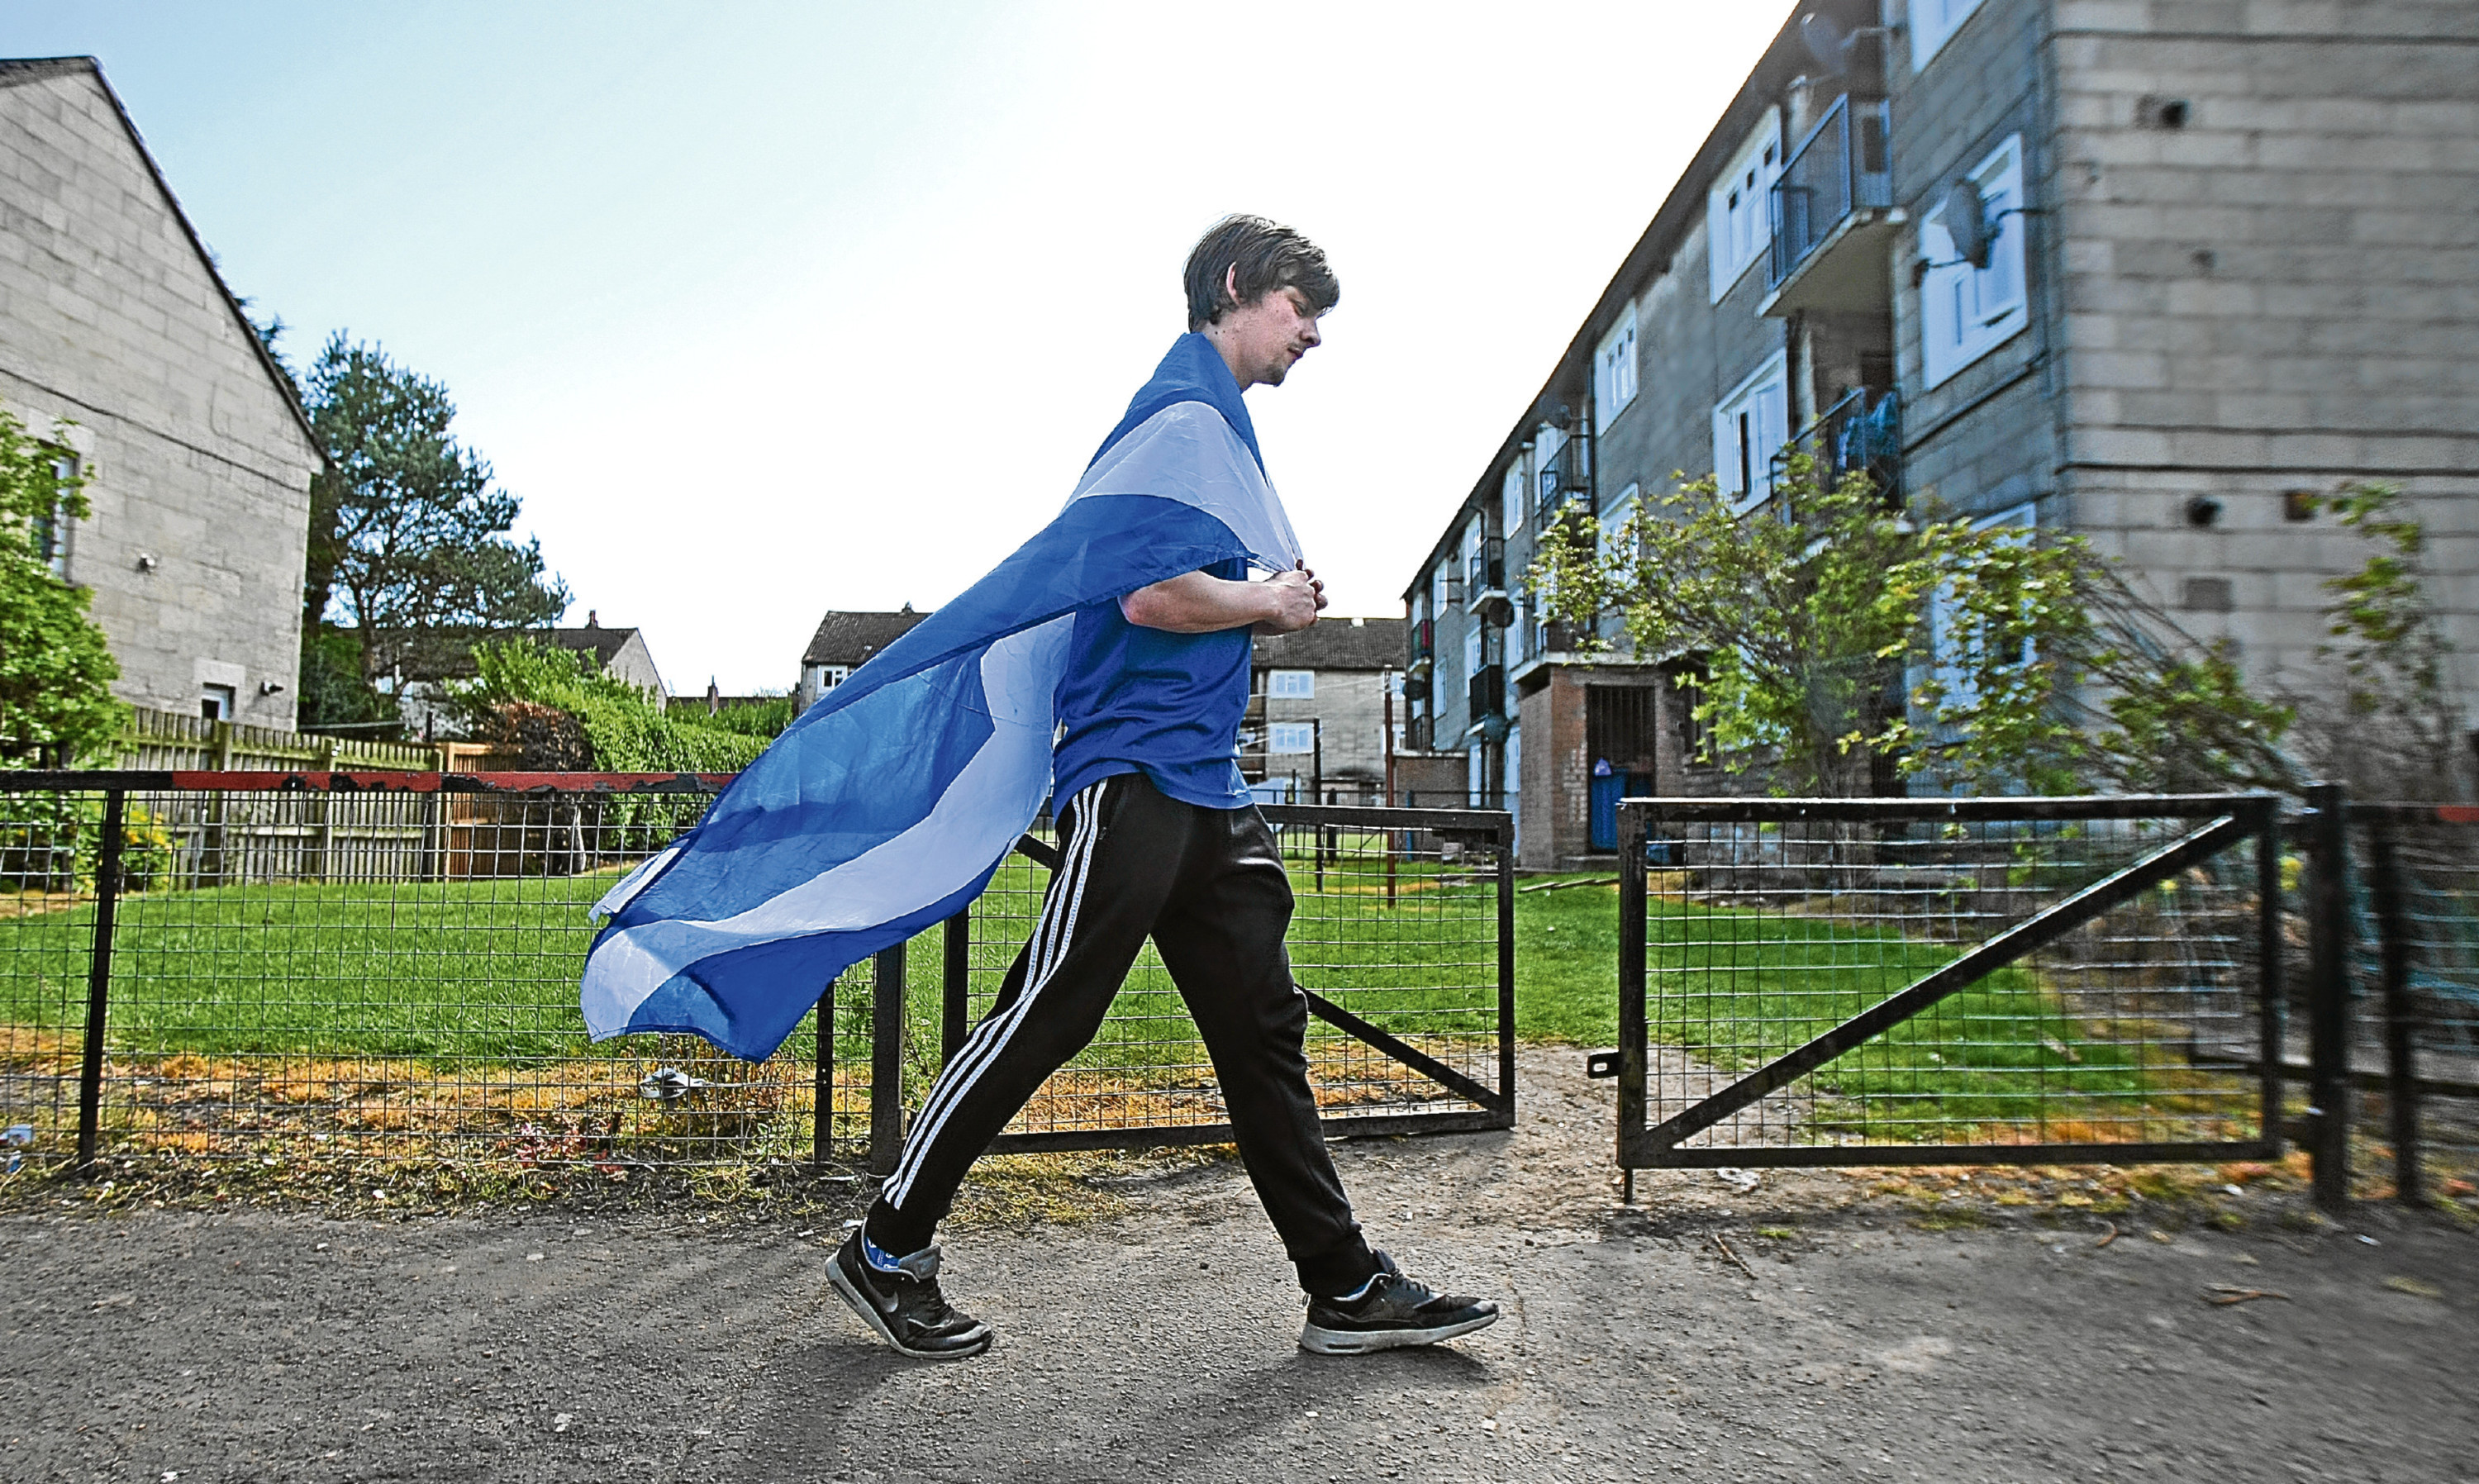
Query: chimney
x,y
592,621
713,697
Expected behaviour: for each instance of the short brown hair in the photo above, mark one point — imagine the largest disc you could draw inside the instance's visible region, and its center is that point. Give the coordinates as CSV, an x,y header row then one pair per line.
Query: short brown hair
x,y
1267,257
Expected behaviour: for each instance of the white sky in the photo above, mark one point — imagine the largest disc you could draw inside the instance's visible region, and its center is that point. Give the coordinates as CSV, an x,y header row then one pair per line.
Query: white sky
x,y
767,309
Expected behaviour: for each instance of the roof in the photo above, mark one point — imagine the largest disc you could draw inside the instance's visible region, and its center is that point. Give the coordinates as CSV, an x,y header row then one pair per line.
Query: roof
x,y
1338,644
15,71
1571,378
852,638
448,653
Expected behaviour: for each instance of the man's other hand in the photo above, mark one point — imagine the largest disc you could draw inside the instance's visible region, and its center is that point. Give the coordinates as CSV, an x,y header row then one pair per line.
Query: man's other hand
x,y
1297,597
1196,604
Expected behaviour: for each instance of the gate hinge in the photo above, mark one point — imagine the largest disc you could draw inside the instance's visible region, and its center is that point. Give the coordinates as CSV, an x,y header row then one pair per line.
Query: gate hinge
x,y
1601,1064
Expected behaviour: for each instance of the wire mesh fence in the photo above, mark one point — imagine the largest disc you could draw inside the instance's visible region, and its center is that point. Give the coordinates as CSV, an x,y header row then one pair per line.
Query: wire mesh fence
x,y
230,967
385,972
1887,981
2413,927
1401,936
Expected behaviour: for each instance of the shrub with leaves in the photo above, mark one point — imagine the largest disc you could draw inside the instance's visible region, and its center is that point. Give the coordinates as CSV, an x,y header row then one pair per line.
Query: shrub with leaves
x,y
2393,730
56,671
1827,630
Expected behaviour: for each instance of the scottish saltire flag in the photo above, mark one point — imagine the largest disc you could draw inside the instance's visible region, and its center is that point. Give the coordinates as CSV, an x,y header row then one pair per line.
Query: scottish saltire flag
x,y
888,804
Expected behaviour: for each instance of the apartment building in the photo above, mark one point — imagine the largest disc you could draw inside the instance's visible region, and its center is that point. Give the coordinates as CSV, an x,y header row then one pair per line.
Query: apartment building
x,y
2160,273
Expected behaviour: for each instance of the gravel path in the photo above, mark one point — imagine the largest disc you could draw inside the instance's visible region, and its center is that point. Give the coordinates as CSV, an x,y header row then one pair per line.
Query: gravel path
x,y
1160,1345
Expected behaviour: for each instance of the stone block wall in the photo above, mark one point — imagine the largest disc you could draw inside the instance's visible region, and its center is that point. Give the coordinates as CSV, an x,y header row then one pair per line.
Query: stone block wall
x,y
111,320
2270,215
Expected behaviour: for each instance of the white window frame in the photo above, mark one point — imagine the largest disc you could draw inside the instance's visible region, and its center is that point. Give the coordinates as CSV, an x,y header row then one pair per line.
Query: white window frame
x,y
1933,23
1966,311
1738,212
1290,739
1748,451
54,531
1438,587
1510,493
1950,678
218,703
1547,440
1291,685
1475,651
1614,371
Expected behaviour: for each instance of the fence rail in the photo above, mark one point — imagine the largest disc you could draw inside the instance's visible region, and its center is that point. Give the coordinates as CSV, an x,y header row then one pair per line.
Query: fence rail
x,y
1866,981
188,968
1834,982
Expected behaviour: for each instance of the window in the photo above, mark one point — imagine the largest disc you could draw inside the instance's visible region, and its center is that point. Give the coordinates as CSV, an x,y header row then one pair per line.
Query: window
x,y
1621,510
1291,737
831,675
1966,311
1933,21
1738,219
1953,679
1471,650
1301,684
1438,586
217,703
1511,519
1395,683
1748,428
51,532
1614,371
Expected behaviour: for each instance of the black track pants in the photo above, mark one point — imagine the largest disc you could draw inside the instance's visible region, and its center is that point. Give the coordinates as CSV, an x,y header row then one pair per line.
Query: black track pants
x,y
1208,886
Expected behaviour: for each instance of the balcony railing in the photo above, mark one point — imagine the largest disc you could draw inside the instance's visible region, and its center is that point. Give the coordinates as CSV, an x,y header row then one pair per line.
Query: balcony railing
x,y
1842,167
1565,474
1485,583
1854,433
1487,696
1424,640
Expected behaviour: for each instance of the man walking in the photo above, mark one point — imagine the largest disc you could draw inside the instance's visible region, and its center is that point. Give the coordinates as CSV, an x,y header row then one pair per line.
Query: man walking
x,y
1159,840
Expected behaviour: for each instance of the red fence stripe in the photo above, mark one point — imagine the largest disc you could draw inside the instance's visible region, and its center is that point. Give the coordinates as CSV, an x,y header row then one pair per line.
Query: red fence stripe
x,y
411,783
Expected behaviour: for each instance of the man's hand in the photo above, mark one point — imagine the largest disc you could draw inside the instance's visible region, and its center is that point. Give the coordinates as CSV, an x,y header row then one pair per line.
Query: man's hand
x,y
1195,604
1297,595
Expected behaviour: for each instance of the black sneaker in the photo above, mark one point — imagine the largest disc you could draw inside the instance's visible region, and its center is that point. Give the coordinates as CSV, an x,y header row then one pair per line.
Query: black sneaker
x,y
1393,1311
905,1307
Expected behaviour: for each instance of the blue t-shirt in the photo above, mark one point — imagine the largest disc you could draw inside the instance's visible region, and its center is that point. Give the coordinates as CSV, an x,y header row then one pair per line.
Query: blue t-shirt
x,y
1168,706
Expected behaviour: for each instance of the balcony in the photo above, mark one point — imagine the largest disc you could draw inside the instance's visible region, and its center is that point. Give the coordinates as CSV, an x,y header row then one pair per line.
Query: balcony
x,y
1486,697
1485,583
1833,216
1424,641
1565,475
1853,434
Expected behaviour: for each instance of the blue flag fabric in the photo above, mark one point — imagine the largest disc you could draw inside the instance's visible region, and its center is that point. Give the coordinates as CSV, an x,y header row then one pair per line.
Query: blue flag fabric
x,y
890,803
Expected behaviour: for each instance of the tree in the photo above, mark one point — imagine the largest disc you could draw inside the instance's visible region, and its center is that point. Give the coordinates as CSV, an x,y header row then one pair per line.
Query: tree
x,y
2393,730
56,671
1835,630
408,532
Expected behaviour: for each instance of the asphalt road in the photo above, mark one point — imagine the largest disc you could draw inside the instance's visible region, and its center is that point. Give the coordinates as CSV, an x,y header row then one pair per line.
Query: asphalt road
x,y
1160,1344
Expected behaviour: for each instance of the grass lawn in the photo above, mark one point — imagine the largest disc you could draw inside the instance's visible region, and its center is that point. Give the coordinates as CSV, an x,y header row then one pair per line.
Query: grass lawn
x,y
475,971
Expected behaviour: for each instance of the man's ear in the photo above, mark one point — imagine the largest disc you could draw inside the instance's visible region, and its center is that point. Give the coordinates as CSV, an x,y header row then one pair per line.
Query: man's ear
x,y
1231,284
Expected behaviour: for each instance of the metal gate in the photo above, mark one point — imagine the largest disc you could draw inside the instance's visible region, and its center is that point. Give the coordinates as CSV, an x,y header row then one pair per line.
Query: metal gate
x,y
1402,941
1966,981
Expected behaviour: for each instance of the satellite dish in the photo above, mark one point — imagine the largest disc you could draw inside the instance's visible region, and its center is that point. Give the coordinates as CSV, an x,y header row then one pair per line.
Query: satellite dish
x,y
1967,224
1825,41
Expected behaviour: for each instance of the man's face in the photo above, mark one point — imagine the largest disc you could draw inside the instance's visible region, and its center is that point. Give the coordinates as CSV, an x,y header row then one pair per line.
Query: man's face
x,y
1268,336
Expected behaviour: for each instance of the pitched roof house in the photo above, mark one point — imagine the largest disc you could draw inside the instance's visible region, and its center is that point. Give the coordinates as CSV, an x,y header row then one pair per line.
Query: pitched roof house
x,y
844,642
116,331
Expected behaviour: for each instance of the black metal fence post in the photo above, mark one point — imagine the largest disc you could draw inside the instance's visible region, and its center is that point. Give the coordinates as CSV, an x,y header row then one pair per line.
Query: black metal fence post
x,y
2328,995
1633,1096
955,980
822,1137
1506,969
887,1062
2272,987
98,979
2401,1059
